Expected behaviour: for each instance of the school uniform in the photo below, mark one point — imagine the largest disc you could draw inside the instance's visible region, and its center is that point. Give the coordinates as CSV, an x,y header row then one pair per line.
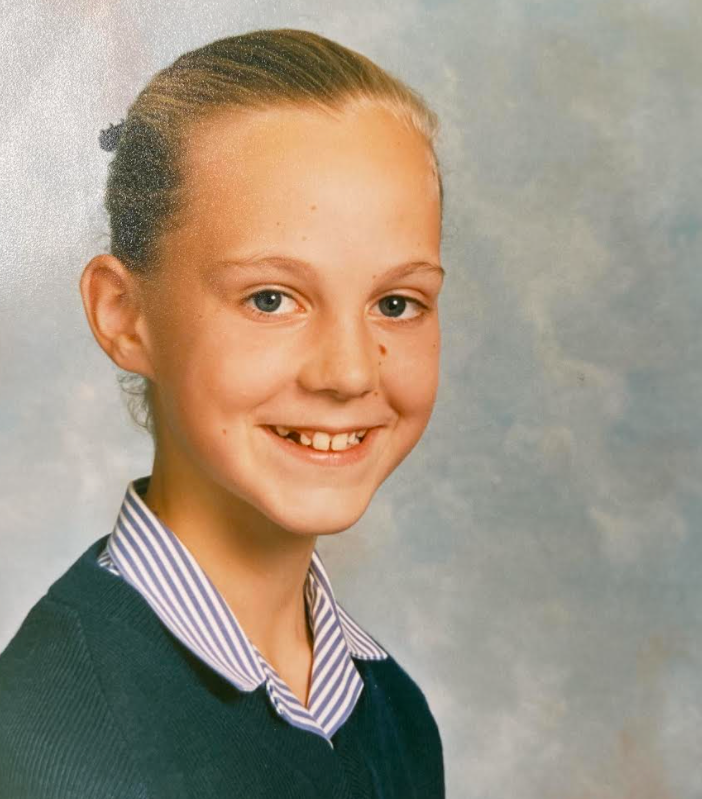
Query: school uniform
x,y
131,678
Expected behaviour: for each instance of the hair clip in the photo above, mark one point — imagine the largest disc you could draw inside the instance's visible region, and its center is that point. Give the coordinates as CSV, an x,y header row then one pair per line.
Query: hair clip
x,y
109,137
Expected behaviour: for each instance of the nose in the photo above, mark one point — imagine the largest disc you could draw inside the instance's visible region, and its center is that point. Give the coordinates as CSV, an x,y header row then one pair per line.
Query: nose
x,y
341,358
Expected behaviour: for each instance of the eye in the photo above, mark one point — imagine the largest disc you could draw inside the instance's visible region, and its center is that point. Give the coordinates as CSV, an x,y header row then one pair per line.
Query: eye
x,y
394,305
267,301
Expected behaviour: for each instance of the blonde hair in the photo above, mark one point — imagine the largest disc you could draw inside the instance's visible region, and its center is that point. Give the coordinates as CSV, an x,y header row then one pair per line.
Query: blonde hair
x,y
255,70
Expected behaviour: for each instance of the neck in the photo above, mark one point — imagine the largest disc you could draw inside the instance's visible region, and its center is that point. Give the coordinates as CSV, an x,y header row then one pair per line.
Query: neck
x,y
259,568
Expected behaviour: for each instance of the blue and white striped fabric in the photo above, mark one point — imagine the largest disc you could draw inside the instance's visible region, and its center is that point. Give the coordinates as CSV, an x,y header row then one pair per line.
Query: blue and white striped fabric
x,y
146,553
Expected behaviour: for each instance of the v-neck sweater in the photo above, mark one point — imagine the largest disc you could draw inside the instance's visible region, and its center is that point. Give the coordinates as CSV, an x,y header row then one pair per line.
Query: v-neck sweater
x,y
144,551
98,700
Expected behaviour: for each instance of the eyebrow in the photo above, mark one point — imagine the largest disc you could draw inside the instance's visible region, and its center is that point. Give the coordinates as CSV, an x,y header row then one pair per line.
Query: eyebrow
x,y
306,269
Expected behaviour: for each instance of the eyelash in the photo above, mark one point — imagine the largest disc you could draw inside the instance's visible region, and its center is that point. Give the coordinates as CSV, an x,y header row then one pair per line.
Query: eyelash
x,y
256,312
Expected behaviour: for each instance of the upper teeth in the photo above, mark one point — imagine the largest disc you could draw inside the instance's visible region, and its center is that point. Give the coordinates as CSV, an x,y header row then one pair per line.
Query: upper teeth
x,y
323,441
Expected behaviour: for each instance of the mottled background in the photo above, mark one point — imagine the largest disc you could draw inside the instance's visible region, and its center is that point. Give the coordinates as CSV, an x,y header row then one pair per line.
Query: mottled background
x,y
534,563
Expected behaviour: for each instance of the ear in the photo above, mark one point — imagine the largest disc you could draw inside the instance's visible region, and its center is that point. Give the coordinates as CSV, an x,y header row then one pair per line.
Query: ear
x,y
113,305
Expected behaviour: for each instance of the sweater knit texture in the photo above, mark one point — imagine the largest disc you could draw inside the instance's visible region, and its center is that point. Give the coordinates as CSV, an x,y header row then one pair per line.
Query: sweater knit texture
x,y
98,700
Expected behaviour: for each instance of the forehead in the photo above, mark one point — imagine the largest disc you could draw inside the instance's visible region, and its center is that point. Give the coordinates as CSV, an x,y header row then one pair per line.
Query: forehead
x,y
296,175
362,130
308,147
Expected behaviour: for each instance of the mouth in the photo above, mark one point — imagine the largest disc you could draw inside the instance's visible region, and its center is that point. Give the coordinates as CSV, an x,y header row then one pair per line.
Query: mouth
x,y
353,450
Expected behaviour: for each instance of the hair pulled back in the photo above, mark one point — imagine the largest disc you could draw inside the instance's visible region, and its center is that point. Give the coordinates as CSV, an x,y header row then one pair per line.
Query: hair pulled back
x,y
256,70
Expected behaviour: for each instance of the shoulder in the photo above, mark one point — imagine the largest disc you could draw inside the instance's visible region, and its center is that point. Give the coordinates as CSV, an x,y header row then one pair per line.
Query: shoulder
x,y
49,650
397,711
389,681
58,737
48,644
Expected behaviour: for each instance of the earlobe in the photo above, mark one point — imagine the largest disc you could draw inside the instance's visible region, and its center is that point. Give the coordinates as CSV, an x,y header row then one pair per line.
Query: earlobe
x,y
111,301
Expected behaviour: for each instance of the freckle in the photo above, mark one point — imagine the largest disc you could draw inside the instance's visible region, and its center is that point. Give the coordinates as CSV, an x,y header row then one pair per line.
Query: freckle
x,y
224,431
304,238
313,207
383,351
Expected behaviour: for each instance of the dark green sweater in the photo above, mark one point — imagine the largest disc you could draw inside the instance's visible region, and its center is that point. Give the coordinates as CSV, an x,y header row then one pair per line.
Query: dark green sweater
x,y
98,699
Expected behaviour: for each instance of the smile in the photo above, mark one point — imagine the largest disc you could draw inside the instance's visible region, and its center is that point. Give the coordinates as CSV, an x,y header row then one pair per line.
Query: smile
x,y
321,441
353,451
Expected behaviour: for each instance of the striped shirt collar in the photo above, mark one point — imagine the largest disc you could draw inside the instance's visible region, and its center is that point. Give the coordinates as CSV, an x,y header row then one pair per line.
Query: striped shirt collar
x,y
148,555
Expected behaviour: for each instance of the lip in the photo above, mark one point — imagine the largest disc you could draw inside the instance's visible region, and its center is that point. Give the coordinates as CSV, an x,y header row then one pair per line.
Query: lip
x,y
328,458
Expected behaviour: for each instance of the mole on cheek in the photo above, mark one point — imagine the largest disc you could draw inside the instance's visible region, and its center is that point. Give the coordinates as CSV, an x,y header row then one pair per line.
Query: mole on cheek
x,y
383,351
224,431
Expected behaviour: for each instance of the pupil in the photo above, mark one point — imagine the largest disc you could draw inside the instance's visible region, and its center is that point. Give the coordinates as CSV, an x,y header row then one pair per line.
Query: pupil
x,y
264,303
396,305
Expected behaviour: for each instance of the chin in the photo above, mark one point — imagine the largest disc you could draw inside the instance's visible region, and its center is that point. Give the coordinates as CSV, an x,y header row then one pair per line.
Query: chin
x,y
318,517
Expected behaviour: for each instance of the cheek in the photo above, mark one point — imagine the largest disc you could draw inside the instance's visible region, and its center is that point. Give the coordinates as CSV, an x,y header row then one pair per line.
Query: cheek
x,y
246,376
215,371
410,372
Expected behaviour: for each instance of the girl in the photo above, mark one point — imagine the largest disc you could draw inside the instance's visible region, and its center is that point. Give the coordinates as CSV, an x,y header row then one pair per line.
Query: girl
x,y
275,211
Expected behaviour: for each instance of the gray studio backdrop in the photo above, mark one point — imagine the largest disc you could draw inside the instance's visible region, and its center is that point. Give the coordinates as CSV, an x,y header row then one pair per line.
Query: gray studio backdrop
x,y
535,563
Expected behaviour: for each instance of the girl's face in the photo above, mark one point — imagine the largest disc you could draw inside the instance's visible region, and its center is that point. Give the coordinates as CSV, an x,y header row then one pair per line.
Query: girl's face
x,y
299,290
